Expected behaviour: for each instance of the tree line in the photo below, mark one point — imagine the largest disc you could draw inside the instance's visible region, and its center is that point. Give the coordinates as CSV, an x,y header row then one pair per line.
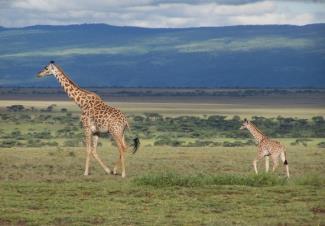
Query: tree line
x,y
188,131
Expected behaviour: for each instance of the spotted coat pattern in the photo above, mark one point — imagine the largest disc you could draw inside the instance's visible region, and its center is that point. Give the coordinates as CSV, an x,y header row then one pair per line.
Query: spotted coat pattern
x,y
266,148
97,117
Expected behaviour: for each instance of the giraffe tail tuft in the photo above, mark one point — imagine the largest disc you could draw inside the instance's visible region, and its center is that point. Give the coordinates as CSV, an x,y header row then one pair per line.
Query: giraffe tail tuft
x,y
136,144
136,141
285,162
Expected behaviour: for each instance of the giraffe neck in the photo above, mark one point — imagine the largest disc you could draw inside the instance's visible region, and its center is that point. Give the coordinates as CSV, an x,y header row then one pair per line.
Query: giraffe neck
x,y
73,90
257,134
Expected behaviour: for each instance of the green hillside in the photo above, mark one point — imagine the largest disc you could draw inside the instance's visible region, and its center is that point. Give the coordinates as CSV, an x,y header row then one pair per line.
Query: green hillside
x,y
103,55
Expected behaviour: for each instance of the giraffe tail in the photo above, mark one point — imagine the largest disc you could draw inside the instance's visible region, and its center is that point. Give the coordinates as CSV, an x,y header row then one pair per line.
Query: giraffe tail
x,y
136,141
285,162
284,157
136,144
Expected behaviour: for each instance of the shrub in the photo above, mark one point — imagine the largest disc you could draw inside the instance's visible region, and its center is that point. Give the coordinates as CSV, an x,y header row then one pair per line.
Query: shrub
x,y
16,108
8,143
34,143
302,141
202,143
52,143
321,144
170,142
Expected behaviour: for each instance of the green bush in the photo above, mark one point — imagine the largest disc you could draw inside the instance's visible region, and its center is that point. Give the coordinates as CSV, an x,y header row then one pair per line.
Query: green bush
x,y
34,143
302,141
9,143
321,144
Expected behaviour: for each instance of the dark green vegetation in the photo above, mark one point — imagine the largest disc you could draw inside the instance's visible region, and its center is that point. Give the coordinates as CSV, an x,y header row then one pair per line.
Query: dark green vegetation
x,y
111,92
239,56
53,126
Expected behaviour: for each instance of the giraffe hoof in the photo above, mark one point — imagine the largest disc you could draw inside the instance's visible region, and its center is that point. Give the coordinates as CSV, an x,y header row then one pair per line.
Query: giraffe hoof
x,y
86,174
123,175
108,171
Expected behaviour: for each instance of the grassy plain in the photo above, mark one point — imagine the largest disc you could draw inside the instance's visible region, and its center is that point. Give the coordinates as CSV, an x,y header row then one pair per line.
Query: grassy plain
x,y
165,185
45,186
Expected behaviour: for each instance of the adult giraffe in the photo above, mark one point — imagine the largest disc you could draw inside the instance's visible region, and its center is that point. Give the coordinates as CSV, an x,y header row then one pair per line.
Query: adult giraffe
x,y
97,117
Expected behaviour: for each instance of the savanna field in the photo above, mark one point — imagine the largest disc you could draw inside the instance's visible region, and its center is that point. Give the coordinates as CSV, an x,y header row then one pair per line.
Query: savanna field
x,y
194,166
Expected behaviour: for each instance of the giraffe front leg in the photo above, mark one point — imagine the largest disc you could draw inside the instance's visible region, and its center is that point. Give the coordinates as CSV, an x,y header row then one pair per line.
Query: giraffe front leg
x,y
86,173
88,153
259,157
94,152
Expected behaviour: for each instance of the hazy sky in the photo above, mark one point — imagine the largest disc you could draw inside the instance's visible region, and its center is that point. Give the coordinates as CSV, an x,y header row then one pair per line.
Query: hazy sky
x,y
160,13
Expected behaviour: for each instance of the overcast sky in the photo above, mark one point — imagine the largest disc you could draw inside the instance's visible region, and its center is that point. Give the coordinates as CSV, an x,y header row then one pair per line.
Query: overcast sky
x,y
160,13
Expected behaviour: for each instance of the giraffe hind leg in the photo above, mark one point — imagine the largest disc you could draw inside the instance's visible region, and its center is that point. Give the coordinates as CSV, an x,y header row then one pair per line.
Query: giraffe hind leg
x,y
275,159
121,147
285,162
267,163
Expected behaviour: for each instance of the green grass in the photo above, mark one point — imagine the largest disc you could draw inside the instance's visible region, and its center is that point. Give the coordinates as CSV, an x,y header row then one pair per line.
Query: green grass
x,y
172,179
164,186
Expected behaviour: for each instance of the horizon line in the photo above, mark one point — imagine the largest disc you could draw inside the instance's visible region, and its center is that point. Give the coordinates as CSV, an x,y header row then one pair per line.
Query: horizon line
x,y
153,28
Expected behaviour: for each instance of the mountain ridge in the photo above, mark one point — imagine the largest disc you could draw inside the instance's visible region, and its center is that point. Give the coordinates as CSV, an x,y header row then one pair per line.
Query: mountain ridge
x,y
274,56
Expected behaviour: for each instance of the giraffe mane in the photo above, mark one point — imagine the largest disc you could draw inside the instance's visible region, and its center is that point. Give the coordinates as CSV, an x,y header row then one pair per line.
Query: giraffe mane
x,y
72,82
258,130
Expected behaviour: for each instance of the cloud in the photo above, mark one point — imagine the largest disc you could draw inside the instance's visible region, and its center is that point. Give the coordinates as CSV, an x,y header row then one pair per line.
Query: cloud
x,y
159,13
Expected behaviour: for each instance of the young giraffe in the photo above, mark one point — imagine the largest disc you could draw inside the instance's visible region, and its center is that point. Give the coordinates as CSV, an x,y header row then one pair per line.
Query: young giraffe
x,y
97,117
266,148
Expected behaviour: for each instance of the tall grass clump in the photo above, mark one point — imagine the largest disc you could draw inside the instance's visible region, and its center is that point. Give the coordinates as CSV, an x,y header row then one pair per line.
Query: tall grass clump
x,y
172,179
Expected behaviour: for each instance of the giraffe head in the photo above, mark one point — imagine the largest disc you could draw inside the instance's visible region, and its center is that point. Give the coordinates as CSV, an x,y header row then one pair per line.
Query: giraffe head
x,y
245,124
47,70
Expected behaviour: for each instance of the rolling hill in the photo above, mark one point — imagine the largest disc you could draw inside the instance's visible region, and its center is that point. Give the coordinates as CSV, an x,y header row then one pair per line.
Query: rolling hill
x,y
102,55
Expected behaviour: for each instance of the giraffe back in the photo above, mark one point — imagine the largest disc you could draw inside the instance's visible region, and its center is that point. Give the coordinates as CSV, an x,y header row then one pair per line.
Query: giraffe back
x,y
104,118
270,147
